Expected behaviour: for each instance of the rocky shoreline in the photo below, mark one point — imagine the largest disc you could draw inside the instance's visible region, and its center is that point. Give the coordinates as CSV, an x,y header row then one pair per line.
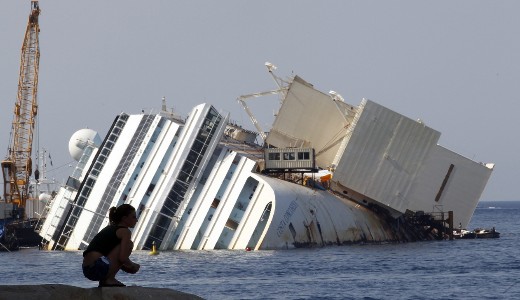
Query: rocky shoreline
x,y
66,292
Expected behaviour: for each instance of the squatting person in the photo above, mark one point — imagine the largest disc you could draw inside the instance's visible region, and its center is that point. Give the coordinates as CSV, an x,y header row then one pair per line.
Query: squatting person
x,y
109,251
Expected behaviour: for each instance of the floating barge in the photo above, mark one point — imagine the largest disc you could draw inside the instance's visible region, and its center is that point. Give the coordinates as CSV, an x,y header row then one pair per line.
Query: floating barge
x,y
326,173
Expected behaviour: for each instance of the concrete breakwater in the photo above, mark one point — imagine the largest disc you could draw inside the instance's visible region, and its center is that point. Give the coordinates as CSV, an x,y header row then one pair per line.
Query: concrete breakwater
x,y
66,292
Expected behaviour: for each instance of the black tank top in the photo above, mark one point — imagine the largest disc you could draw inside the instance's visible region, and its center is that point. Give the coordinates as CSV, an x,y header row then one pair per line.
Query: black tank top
x,y
105,240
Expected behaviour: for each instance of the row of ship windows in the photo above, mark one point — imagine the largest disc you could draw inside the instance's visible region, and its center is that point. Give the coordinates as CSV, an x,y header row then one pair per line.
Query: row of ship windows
x,y
289,156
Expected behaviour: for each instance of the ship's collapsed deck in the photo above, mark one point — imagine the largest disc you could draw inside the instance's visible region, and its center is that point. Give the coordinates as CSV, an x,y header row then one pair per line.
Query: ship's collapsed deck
x,y
338,174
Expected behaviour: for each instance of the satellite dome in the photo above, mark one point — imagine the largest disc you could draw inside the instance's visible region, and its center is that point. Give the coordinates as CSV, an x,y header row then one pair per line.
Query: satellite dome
x,y
79,141
44,197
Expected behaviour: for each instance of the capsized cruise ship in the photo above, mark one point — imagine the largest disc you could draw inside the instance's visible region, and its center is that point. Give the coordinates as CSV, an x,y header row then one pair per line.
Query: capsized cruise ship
x,y
326,173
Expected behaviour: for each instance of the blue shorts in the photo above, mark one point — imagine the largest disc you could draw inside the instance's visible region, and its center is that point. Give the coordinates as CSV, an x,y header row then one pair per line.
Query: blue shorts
x,y
97,271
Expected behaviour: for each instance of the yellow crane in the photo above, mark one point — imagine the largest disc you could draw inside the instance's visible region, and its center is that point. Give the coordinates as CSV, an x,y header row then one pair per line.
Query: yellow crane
x,y
17,166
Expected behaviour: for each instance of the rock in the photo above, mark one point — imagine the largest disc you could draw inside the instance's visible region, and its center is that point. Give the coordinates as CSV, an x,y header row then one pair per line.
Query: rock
x,y
66,292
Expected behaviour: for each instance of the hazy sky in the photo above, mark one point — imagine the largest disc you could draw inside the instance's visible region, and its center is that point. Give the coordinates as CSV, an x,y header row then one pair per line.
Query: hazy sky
x,y
453,64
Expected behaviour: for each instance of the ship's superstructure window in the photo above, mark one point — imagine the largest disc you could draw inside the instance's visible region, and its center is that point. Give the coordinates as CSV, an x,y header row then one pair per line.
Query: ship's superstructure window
x,y
304,155
117,130
120,172
82,196
274,156
180,187
150,189
288,156
109,144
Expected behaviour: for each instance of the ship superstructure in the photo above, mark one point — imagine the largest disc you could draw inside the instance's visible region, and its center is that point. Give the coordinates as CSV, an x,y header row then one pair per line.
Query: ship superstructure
x,y
328,172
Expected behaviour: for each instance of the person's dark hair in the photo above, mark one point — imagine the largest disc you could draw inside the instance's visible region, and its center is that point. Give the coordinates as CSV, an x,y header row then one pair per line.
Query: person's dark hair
x,y
116,214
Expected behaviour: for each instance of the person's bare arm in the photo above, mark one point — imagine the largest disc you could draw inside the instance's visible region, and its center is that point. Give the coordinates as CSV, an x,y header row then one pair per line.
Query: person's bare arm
x,y
126,249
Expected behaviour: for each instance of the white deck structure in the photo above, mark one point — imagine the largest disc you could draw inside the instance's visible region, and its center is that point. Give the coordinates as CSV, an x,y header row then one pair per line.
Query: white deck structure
x,y
379,155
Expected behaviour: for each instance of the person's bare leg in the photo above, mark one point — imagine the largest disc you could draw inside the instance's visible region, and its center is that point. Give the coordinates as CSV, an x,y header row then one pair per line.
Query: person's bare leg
x,y
115,266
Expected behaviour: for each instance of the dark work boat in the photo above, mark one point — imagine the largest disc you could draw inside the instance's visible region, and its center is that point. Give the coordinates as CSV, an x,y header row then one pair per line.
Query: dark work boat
x,y
478,233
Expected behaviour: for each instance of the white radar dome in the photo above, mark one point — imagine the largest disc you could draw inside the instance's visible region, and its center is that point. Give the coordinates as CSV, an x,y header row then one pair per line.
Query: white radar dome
x,y
44,197
80,140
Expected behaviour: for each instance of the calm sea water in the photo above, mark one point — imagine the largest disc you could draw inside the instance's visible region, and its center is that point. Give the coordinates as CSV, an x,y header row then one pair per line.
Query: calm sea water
x,y
462,269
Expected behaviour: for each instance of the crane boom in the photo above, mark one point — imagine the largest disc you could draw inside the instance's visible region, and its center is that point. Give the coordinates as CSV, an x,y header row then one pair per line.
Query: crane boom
x,y
282,91
17,167
242,99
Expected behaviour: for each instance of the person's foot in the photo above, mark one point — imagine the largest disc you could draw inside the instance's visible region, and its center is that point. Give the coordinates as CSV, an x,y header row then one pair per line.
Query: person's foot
x,y
111,283
132,269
